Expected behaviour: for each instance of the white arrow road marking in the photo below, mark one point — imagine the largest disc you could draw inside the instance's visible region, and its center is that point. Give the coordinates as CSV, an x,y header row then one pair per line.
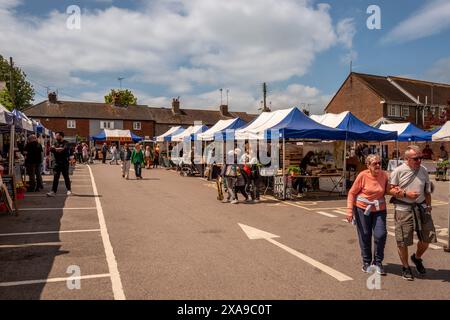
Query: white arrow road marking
x,y
254,234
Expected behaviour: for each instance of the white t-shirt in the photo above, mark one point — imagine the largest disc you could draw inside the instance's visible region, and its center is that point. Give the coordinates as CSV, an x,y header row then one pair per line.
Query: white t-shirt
x,y
421,183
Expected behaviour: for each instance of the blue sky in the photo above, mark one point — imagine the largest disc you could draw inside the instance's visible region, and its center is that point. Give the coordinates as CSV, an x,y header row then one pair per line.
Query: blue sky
x,y
191,48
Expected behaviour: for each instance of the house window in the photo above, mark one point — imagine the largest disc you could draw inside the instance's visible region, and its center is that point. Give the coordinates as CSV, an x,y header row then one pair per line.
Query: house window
x,y
106,124
136,125
394,111
405,111
71,124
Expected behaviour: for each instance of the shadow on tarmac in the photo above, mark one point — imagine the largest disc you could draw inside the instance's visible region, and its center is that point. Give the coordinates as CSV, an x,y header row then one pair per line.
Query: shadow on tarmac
x,y
432,274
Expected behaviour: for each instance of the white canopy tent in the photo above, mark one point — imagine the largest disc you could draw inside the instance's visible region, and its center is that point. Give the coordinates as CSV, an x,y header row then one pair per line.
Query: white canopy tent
x,y
209,134
196,129
331,120
443,134
172,131
266,120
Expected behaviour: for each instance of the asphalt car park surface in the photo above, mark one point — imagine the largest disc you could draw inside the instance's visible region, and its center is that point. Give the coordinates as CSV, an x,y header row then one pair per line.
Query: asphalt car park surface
x,y
167,237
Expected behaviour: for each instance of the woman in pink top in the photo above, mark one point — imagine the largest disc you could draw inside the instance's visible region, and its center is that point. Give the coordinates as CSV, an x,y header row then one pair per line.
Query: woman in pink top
x,y
366,206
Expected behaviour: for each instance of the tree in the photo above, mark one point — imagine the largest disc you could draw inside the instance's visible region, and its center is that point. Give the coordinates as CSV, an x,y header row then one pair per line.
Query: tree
x,y
23,90
5,99
121,98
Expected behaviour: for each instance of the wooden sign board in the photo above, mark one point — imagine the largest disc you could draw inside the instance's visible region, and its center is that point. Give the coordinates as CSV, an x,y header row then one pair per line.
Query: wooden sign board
x,y
8,193
278,187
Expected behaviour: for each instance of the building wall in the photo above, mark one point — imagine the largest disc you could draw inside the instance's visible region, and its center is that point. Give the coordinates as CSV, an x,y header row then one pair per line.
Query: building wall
x,y
357,97
147,128
60,124
94,125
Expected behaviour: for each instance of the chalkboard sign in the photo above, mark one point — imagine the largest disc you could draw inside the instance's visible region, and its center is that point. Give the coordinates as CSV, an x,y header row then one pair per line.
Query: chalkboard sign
x,y
8,192
278,187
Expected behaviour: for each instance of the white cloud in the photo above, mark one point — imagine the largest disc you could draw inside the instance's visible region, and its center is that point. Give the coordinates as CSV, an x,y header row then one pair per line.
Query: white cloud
x,y
440,71
181,44
300,96
431,19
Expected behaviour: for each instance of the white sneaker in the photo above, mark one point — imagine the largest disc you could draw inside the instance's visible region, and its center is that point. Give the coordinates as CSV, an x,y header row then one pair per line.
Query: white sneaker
x,y
69,193
51,194
234,202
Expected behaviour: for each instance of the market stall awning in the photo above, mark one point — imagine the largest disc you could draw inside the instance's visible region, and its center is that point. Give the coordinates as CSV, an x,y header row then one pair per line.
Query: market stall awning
x,y
169,133
255,129
220,129
297,125
408,132
43,130
116,135
443,133
355,128
6,116
22,121
189,133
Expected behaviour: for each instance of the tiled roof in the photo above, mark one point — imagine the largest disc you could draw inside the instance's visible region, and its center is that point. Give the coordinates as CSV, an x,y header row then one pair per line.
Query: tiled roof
x,y
89,110
436,93
384,88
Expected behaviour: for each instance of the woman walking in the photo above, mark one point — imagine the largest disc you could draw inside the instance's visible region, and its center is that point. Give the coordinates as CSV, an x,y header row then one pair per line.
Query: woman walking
x,y
137,159
366,205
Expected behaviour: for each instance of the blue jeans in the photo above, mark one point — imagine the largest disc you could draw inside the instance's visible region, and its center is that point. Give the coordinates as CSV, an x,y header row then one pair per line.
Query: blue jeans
x,y
138,170
373,224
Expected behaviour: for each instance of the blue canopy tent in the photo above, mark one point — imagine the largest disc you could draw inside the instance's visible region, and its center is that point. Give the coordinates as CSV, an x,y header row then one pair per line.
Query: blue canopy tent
x,y
116,135
297,125
408,132
218,130
355,128
167,136
22,121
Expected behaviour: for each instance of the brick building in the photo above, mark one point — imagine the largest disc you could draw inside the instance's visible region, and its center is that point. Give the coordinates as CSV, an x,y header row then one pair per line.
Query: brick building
x,y
370,97
86,119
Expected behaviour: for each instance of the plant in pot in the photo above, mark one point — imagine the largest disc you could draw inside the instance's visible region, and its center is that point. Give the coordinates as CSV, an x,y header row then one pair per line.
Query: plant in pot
x,y
294,170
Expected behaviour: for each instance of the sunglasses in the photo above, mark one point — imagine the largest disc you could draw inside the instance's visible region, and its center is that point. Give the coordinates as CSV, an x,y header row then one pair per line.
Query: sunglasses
x,y
376,163
416,158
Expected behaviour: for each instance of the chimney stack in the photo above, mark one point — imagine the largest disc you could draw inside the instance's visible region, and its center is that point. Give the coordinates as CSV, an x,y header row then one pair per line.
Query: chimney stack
x,y
176,106
53,97
224,110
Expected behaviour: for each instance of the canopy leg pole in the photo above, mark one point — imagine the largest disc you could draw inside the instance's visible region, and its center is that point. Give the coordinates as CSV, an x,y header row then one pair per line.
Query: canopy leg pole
x,y
344,183
11,149
284,168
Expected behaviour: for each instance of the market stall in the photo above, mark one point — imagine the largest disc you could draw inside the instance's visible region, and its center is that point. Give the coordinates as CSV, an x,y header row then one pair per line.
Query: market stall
x,y
116,135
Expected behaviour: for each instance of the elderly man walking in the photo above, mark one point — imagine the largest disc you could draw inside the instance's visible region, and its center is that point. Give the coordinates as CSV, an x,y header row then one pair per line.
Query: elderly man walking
x,y
411,187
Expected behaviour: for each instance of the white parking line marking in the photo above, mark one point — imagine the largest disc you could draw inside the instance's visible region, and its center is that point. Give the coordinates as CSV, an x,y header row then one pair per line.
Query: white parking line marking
x,y
340,212
26,245
52,280
326,214
50,209
110,257
46,232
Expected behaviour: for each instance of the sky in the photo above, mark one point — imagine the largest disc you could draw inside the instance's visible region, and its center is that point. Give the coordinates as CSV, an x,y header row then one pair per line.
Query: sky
x,y
193,48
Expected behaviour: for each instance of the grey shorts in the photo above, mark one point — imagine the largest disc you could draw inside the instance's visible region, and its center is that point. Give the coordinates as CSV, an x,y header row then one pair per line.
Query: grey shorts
x,y
405,227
